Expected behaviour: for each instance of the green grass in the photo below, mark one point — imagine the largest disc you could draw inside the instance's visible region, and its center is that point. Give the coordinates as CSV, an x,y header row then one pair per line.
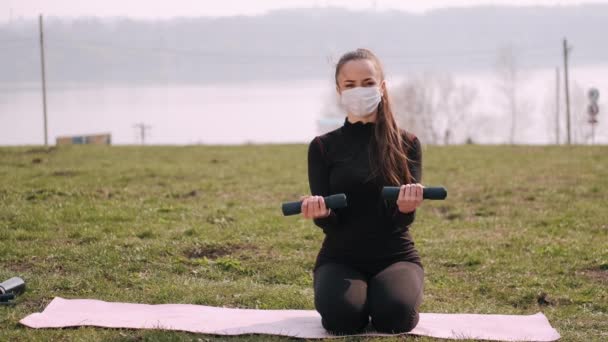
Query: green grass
x,y
524,229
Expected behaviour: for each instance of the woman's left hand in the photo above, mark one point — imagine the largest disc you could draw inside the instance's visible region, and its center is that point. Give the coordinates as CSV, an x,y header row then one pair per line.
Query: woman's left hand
x,y
410,197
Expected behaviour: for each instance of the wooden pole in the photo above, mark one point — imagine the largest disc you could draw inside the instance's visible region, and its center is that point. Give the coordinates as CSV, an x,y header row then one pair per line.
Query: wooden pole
x,y
46,138
567,90
557,105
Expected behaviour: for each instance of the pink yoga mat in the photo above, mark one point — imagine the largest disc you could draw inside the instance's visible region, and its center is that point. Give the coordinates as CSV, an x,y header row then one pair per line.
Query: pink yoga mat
x,y
294,323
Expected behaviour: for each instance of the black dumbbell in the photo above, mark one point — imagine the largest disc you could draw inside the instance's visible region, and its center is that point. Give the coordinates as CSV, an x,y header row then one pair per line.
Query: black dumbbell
x,y
9,289
332,202
391,193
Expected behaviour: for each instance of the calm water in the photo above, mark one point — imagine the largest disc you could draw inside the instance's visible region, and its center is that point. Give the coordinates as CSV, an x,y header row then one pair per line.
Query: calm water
x,y
261,112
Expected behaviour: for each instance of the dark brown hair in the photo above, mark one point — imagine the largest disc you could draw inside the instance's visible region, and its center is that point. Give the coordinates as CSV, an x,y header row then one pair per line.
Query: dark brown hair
x,y
390,152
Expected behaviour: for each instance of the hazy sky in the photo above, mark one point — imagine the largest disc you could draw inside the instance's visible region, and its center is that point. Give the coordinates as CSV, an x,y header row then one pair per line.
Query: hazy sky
x,y
173,8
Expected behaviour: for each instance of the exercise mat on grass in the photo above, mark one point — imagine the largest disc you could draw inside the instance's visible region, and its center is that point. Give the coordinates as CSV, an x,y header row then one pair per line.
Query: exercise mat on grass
x,y
294,323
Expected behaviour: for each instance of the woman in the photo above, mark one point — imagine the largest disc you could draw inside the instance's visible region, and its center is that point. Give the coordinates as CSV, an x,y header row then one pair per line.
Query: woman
x,y
368,265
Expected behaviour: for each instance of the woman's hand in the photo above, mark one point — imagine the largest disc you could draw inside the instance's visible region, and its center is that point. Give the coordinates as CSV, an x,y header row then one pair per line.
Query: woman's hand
x,y
410,197
314,207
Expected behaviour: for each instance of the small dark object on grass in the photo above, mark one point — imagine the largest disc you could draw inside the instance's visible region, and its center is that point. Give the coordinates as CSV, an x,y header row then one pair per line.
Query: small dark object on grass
x,y
9,289
192,193
14,285
543,300
5,299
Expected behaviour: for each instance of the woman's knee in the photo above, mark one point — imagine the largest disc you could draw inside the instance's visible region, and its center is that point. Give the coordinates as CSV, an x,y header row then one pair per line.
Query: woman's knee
x,y
345,323
395,318
341,299
341,315
395,295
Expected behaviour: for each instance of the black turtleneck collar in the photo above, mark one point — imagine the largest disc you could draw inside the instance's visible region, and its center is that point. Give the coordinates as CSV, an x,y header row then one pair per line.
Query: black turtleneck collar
x,y
358,128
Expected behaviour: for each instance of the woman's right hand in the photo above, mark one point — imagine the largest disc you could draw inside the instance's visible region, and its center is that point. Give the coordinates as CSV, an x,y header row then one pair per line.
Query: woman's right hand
x,y
314,207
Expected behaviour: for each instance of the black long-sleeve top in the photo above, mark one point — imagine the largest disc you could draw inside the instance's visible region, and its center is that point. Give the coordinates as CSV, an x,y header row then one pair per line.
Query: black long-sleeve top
x,y
369,229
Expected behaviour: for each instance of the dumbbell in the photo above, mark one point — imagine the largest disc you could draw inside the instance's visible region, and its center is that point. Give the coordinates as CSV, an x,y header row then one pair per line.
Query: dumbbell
x,y
14,285
391,193
333,202
10,288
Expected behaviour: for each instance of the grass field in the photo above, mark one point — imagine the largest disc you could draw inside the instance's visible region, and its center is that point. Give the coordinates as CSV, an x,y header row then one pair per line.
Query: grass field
x,y
524,229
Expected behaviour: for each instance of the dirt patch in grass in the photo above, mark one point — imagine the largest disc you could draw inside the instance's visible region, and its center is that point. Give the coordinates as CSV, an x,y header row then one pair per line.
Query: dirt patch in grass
x,y
104,193
189,194
20,267
598,273
220,218
33,304
484,212
65,173
216,250
41,150
447,213
146,234
42,194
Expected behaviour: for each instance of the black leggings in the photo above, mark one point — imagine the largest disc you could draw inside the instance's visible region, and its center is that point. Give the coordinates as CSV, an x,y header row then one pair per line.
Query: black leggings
x,y
347,296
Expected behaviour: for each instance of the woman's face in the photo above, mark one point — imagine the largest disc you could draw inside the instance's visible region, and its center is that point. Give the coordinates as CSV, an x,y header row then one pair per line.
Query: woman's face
x,y
358,73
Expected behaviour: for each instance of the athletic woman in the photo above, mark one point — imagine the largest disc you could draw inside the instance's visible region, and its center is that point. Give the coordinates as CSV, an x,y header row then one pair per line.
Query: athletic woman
x,y
367,266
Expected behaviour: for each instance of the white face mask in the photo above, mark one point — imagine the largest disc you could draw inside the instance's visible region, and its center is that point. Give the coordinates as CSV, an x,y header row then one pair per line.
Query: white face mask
x,y
361,101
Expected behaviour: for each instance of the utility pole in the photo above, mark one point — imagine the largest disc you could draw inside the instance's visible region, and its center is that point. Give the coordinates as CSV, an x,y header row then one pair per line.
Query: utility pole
x,y
143,128
566,52
557,105
46,137
593,110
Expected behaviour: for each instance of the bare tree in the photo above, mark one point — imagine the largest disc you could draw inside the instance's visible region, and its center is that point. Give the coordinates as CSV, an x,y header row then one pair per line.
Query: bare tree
x,y
434,106
415,107
459,111
549,108
581,130
446,89
509,83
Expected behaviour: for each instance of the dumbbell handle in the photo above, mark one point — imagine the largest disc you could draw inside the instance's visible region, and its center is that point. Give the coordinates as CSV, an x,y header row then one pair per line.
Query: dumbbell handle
x,y
332,202
391,193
